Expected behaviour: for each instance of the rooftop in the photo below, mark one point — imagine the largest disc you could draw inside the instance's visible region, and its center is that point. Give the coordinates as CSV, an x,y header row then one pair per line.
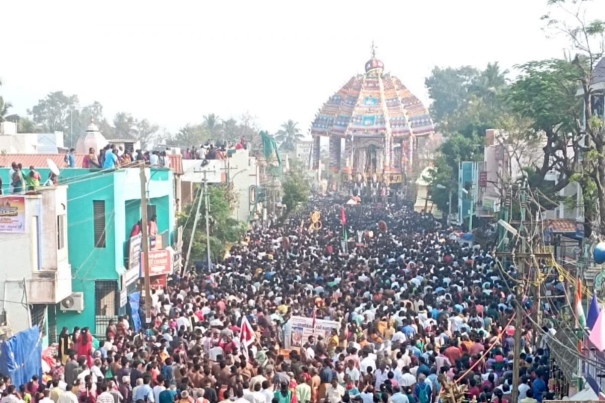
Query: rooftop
x,y
41,161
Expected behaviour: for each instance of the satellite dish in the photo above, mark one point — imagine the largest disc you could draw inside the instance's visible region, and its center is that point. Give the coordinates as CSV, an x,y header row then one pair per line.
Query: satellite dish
x,y
53,167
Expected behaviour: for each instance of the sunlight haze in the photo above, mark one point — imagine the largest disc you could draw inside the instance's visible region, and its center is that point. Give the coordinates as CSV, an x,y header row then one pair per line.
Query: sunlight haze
x,y
174,62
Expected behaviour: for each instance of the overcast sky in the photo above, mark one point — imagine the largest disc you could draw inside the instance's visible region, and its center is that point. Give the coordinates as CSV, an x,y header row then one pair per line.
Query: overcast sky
x,y
173,62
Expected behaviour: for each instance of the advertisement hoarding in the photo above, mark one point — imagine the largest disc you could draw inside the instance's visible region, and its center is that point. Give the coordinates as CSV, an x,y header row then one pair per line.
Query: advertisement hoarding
x,y
12,214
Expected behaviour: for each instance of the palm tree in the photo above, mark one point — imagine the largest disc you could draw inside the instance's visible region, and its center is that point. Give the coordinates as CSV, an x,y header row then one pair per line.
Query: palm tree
x,y
288,135
4,116
213,124
4,107
490,82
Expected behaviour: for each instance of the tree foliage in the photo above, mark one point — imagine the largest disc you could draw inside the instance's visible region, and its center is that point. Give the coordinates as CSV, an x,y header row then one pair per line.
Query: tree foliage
x,y
295,187
444,175
288,135
4,110
224,230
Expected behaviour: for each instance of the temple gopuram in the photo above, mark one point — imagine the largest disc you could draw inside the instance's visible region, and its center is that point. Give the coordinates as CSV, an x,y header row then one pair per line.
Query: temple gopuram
x,y
379,124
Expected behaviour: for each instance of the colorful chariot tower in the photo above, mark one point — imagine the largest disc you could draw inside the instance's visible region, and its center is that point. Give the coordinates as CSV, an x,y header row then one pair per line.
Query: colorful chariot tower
x,y
378,123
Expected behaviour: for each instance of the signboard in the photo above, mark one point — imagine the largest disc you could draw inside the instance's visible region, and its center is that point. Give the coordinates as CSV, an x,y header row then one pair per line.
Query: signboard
x,y
301,328
160,262
158,282
134,253
12,214
134,262
123,297
179,239
483,179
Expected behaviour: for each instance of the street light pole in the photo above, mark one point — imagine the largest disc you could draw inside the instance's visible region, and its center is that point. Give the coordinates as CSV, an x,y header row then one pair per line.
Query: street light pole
x,y
207,221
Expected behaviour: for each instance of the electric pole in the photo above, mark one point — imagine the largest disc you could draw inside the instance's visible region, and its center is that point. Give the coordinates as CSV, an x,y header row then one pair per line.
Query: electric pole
x,y
204,196
207,220
524,258
145,236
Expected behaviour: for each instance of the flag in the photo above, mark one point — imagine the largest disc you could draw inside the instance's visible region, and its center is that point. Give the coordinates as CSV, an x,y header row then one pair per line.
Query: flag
x,y
343,216
597,334
593,312
580,317
246,336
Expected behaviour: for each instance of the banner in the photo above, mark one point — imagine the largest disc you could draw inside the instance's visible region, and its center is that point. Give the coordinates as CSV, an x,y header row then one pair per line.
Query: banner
x,y
134,261
12,214
301,328
158,282
134,301
160,262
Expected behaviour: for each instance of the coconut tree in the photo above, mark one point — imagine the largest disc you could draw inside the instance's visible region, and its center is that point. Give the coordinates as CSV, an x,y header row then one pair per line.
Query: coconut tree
x,y
4,107
213,123
288,135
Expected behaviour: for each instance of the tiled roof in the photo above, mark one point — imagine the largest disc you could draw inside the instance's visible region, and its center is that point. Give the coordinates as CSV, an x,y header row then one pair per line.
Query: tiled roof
x,y
176,163
561,225
38,160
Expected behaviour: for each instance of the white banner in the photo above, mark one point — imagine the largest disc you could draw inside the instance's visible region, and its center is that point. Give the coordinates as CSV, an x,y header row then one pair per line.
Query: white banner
x,y
300,328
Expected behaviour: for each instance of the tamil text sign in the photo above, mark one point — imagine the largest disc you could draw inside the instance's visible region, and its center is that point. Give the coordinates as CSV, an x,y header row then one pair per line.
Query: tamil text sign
x,y
160,262
12,214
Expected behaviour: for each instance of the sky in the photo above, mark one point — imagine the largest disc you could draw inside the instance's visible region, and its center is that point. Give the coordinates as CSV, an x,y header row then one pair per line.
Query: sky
x,y
174,62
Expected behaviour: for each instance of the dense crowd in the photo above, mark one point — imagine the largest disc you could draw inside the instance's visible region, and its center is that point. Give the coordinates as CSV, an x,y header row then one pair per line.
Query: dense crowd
x,y
416,309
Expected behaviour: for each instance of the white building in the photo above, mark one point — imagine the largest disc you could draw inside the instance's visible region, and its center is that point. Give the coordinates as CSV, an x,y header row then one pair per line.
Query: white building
x,y
33,243
12,142
239,169
303,151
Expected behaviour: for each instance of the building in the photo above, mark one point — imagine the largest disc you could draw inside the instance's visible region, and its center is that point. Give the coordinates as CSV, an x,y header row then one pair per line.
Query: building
x,y
303,151
36,275
12,142
378,123
103,208
238,169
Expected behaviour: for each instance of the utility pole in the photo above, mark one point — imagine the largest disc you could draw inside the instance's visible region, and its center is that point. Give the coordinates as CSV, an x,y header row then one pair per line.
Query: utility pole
x,y
195,220
207,221
205,195
145,236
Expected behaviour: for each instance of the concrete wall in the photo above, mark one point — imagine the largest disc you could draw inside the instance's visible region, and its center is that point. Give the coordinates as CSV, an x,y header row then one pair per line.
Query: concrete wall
x,y
35,271
121,192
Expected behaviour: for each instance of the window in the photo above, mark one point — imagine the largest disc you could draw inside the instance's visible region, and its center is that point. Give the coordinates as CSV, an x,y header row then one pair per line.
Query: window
x,y
107,302
38,316
98,211
60,232
106,297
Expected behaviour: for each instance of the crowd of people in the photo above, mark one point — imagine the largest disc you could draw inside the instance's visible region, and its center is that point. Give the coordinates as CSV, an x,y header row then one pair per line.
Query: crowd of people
x,y
213,151
416,310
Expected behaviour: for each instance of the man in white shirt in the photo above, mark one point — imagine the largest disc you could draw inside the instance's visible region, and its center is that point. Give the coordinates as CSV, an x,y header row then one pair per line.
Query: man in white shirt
x,y
159,388
247,392
334,392
267,392
407,379
105,396
257,394
353,372
367,361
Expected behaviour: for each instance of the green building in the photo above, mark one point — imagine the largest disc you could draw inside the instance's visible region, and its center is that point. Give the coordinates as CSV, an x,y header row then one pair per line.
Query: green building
x,y
102,210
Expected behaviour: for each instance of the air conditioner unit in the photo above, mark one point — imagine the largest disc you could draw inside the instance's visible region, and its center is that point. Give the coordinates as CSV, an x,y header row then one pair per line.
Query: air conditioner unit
x,y
75,302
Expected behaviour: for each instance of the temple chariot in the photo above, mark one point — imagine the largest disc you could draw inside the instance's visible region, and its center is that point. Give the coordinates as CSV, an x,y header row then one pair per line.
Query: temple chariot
x,y
375,128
